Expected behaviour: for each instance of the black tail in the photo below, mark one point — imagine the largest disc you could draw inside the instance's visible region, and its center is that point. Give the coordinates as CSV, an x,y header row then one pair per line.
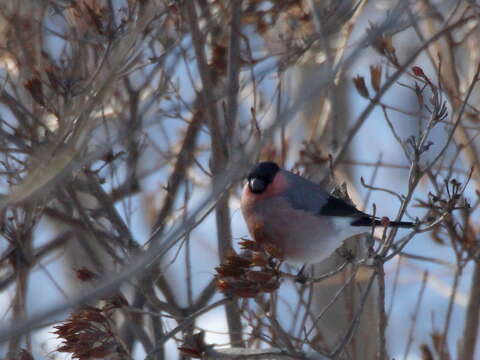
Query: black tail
x,y
368,221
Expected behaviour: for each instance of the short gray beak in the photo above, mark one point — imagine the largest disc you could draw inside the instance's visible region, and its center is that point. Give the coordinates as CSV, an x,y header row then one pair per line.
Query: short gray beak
x,y
256,185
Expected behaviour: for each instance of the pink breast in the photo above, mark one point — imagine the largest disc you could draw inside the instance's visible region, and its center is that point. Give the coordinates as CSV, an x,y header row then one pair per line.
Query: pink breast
x,y
300,236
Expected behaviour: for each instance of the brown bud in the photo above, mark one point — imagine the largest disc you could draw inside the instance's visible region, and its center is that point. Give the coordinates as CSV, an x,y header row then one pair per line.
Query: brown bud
x,y
385,221
384,45
359,83
252,245
388,44
376,77
418,71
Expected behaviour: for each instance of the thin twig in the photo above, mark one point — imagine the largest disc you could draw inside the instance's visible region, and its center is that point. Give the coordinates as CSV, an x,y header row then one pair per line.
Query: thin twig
x,y
468,341
415,314
219,156
185,323
382,316
331,302
390,81
443,347
356,320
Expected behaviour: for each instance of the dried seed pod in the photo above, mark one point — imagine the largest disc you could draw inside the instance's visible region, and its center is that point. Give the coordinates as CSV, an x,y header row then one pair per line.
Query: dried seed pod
x,y
226,270
246,292
237,260
270,286
260,276
188,352
194,345
224,285
359,83
259,259
376,77
251,245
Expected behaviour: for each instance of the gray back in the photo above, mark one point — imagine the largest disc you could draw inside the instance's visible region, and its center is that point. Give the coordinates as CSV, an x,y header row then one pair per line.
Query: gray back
x,y
304,194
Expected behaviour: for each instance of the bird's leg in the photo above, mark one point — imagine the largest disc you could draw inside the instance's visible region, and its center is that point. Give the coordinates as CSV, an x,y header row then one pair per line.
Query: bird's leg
x,y
370,240
301,278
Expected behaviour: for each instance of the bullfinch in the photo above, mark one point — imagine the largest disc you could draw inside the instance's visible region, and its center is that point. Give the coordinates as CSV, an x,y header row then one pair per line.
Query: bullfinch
x,y
298,217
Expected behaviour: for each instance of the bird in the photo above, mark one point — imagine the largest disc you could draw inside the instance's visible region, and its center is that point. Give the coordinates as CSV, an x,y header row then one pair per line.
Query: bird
x,y
299,218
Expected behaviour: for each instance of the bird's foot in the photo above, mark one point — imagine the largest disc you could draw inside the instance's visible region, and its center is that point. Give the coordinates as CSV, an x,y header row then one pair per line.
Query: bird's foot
x,y
301,278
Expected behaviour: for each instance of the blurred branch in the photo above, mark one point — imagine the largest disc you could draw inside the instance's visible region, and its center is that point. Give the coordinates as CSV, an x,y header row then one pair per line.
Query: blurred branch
x,y
186,322
248,354
222,211
443,347
184,160
233,69
122,130
415,314
351,330
468,342
382,316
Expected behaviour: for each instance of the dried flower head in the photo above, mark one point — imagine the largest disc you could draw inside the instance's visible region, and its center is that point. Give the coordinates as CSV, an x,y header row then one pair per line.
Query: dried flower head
x,y
383,43
193,346
88,334
251,245
247,275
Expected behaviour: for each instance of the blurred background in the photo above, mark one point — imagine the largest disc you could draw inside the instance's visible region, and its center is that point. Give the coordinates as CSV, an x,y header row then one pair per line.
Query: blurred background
x,y
127,128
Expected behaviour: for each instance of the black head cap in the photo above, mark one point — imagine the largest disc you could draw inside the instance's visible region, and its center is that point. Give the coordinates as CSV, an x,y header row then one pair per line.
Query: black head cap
x,y
261,176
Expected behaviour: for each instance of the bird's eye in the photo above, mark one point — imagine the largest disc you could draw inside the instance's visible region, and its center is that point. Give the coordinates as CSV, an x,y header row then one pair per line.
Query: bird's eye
x,y
257,185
